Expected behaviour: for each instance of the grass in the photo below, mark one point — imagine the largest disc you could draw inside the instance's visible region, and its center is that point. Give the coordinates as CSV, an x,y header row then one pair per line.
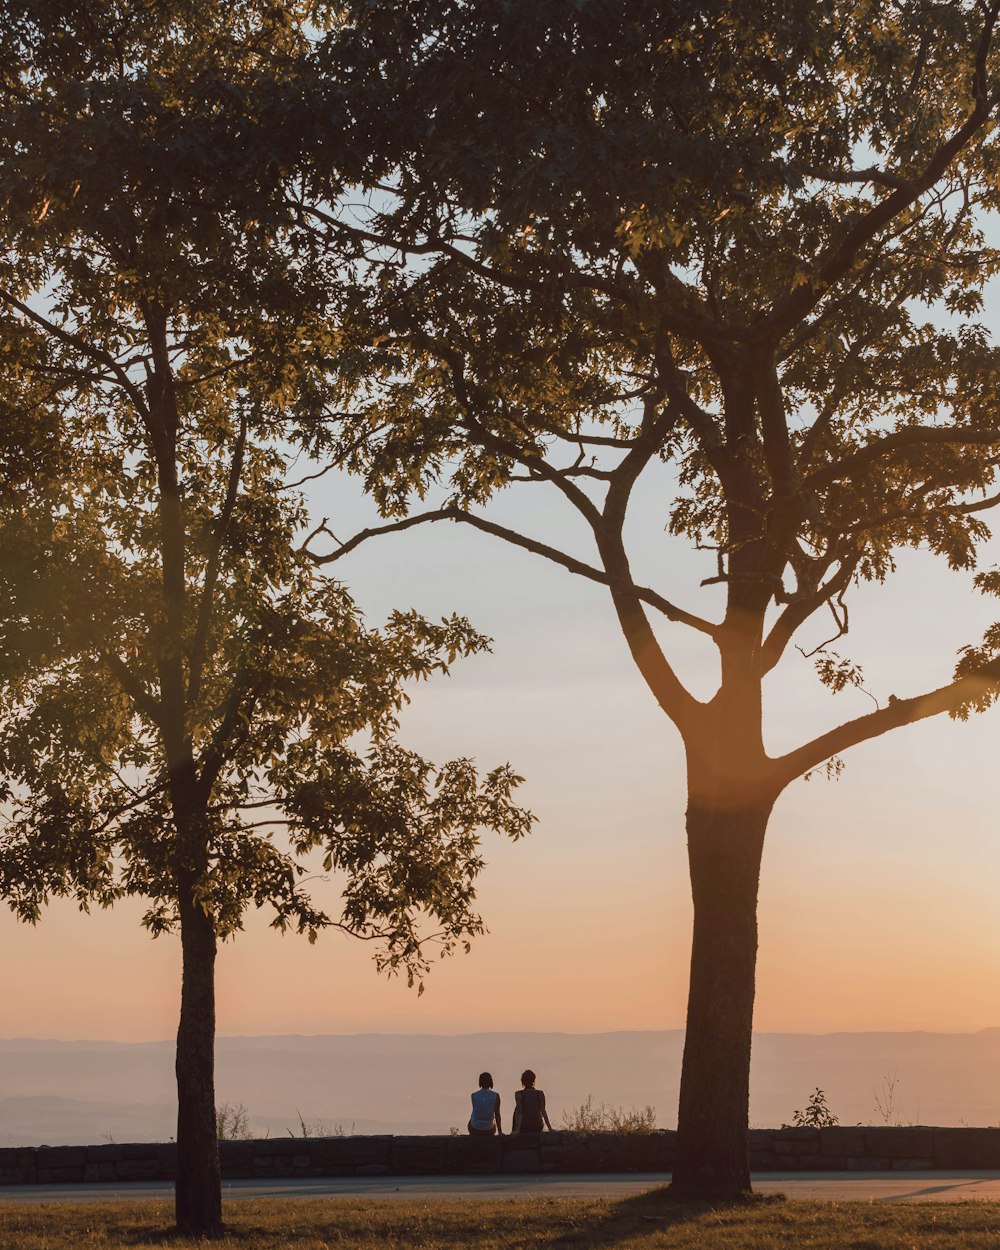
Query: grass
x,y
643,1222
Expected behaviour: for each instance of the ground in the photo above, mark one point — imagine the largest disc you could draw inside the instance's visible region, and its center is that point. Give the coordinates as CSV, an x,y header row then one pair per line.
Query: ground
x,y
642,1222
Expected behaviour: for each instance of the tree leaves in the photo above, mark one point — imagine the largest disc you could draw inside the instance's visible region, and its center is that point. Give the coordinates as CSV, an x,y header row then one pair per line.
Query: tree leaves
x,y
745,243
186,704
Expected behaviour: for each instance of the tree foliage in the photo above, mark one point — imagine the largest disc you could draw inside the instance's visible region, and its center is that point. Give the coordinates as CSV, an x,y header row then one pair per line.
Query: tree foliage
x,y
739,250
187,706
748,242
164,313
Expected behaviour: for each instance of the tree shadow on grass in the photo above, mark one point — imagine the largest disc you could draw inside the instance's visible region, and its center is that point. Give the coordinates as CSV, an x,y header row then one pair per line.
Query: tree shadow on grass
x,y
163,1234
597,1225
651,1213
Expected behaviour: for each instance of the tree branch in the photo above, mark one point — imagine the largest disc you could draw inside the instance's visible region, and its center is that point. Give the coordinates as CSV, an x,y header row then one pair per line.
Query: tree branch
x,y
913,436
134,688
80,344
878,177
798,612
983,505
670,610
537,465
898,712
666,687
774,429
682,320
207,604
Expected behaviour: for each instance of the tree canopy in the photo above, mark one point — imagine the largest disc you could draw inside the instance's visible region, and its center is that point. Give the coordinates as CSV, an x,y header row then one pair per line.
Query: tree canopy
x,y
744,245
187,706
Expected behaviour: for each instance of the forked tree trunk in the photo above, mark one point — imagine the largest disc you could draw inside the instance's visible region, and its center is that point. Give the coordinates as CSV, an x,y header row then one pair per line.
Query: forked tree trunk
x,y
724,853
199,1185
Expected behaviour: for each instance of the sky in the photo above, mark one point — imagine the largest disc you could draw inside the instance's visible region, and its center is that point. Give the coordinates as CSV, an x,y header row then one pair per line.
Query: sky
x,y
879,890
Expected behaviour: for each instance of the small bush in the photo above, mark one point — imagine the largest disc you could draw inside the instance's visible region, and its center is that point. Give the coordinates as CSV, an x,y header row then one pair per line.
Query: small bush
x,y
601,1118
816,1115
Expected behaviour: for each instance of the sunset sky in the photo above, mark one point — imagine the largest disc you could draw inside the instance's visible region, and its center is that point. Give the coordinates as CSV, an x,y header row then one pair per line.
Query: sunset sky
x,y
879,894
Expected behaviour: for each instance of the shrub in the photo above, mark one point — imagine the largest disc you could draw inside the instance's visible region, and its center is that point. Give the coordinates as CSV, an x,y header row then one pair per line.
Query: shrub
x,y
588,1118
816,1115
232,1122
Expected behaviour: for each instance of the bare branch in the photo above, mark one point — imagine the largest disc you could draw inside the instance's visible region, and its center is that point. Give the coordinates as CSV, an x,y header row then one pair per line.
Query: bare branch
x,y
670,610
798,611
593,440
137,801
983,505
322,528
534,464
898,712
312,477
664,684
842,621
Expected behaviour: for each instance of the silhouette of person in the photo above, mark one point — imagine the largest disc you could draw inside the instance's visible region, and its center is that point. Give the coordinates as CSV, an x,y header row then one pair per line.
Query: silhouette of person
x,y
529,1106
485,1118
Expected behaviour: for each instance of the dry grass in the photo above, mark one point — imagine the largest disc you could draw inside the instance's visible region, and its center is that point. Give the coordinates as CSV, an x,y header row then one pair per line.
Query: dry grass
x,y
639,1223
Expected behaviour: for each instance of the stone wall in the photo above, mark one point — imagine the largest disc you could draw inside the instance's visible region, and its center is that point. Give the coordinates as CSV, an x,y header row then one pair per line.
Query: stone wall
x,y
870,1149
782,1150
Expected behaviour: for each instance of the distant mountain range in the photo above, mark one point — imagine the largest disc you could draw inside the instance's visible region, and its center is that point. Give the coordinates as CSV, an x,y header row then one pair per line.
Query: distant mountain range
x,y
56,1093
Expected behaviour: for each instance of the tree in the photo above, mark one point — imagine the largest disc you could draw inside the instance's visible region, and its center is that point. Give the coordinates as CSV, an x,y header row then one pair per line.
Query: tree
x,y
738,245
198,707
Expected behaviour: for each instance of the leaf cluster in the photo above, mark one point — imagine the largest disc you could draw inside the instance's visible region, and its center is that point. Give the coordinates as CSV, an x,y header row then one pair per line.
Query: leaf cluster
x,y
744,242
187,706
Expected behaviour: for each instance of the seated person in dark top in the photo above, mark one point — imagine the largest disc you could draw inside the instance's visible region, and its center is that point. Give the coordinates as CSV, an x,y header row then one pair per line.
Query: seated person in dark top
x,y
529,1106
485,1118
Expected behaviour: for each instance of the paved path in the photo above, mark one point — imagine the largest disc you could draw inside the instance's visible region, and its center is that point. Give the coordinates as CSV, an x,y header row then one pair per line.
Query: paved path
x,y
824,1186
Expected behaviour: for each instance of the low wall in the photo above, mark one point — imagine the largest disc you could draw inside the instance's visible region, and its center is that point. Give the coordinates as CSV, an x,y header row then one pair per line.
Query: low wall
x,y
782,1150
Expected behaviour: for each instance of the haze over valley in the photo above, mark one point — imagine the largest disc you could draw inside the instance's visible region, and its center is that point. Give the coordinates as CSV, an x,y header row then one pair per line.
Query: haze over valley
x,y
58,1092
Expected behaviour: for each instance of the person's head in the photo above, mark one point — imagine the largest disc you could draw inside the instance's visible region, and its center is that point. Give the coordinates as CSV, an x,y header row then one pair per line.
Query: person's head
x,y
485,1080
528,1079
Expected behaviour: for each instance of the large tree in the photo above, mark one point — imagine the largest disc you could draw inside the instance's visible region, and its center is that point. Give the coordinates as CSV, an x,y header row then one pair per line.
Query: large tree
x,y
187,705
740,246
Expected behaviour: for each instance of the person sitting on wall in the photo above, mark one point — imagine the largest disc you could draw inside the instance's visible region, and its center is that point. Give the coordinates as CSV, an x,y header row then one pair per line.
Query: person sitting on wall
x,y
485,1118
529,1106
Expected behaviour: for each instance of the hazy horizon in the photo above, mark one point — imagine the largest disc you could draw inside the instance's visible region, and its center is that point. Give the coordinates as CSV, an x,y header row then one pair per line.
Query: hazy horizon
x,y
56,1092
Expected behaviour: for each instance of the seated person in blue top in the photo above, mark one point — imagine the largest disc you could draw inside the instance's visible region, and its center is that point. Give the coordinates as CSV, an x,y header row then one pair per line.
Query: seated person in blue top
x,y
485,1118
529,1106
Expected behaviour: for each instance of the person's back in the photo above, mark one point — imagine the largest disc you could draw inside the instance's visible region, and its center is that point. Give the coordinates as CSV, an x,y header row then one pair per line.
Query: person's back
x,y
485,1118
532,1101
529,1106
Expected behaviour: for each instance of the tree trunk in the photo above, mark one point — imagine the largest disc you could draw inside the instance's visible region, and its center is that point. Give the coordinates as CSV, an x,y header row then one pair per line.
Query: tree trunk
x,y
724,853
198,1193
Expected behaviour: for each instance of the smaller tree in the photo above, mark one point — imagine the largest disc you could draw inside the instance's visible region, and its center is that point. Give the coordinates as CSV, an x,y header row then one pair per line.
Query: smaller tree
x,y
187,706
206,809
